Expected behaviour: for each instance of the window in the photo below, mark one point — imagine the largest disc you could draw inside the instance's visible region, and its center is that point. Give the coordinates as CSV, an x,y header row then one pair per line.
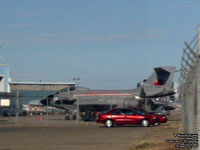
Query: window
x,y
64,90
140,112
128,112
117,112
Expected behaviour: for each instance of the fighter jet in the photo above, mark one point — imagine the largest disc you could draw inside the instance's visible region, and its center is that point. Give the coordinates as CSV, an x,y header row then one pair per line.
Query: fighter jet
x,y
159,84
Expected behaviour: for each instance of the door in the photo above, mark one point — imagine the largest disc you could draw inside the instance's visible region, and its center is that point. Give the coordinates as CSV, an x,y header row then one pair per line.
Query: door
x,y
130,116
118,116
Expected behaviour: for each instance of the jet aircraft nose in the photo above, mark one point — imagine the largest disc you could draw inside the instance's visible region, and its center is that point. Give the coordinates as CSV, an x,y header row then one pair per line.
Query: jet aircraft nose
x,y
44,102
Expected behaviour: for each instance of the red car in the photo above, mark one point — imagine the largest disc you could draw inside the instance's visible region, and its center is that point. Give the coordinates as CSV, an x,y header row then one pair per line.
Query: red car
x,y
160,118
120,116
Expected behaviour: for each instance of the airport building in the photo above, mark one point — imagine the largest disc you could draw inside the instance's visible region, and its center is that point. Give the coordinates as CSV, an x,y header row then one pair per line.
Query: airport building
x,y
6,98
27,91
37,90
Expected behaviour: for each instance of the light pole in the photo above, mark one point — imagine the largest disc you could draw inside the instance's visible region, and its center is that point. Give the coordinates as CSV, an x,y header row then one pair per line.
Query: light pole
x,y
17,108
77,99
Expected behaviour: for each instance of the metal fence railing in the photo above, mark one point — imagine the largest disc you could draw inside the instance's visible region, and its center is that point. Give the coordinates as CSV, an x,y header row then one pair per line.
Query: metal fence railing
x,y
190,86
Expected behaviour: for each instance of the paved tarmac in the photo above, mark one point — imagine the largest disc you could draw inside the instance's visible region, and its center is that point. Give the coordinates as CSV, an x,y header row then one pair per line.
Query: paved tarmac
x,y
67,135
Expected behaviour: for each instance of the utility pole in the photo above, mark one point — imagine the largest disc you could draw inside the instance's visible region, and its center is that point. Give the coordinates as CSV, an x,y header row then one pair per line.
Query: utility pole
x,y
47,121
199,40
77,99
17,108
111,102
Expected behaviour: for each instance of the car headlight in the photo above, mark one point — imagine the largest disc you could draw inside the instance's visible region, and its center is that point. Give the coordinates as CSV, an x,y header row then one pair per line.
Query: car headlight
x,y
163,117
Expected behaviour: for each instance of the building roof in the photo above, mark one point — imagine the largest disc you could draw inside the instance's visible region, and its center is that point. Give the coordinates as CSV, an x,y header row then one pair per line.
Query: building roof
x,y
44,83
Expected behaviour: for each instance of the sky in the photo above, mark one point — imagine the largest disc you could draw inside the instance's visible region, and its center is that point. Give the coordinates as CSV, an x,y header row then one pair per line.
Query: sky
x,y
107,44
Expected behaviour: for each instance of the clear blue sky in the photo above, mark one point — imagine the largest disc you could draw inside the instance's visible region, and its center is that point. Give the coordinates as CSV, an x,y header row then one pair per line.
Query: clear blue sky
x,y
107,43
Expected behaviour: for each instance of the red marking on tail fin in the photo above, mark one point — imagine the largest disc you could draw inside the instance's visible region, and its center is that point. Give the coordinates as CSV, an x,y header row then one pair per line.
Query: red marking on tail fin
x,y
158,82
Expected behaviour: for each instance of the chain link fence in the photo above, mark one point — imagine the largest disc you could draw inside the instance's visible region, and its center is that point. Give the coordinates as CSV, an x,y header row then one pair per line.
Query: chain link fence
x,y
190,86
19,112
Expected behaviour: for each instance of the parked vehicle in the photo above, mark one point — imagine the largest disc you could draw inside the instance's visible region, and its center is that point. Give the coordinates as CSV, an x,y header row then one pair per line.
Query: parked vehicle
x,y
120,116
160,118
11,113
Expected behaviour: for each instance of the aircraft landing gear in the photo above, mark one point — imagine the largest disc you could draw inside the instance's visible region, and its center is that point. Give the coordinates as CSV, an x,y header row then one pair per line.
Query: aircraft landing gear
x,y
70,116
67,116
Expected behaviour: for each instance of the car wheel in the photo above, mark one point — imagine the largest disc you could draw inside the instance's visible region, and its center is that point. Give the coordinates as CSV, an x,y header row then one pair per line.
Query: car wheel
x,y
108,123
157,123
145,123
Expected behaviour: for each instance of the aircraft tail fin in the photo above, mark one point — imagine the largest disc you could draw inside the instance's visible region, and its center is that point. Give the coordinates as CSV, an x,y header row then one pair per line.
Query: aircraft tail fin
x,y
161,77
159,84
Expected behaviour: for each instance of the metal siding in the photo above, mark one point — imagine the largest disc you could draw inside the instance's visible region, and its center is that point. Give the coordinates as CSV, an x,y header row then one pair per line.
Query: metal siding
x,y
32,87
35,91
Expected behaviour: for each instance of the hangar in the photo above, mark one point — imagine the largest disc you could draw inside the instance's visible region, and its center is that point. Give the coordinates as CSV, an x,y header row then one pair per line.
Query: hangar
x,y
37,90
27,91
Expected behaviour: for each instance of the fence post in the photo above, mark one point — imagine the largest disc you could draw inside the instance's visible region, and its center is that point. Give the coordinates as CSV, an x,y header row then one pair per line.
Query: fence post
x,y
198,88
